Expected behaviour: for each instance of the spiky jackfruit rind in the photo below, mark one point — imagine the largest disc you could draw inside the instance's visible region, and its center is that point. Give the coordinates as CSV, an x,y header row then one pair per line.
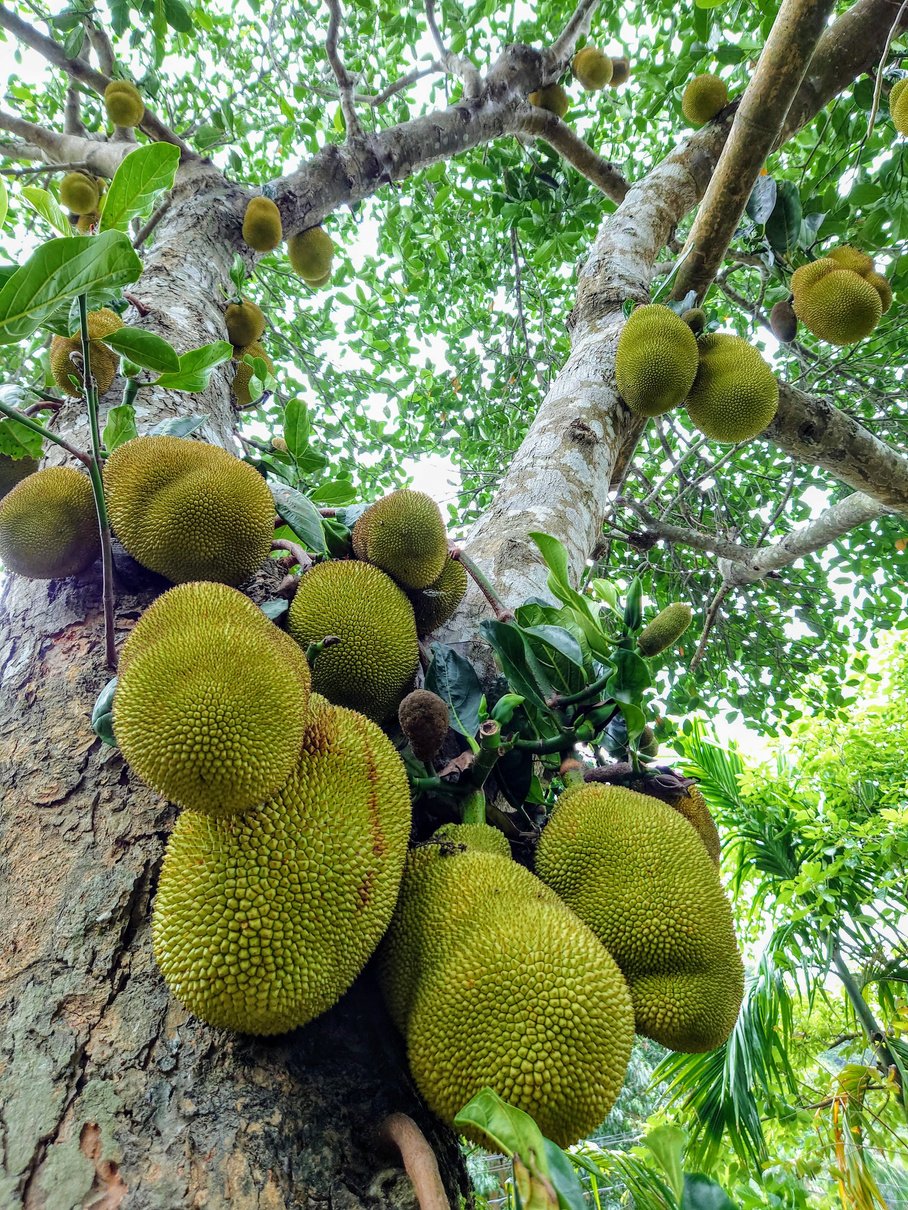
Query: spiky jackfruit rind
x,y
621,70
49,525
123,103
13,471
840,307
703,98
883,288
695,318
311,253
553,98
592,69
79,193
104,363
437,603
262,229
898,105
692,806
244,372
245,323
424,719
639,875
847,257
212,700
735,394
404,535
783,321
188,510
665,629
656,360
371,667
263,921
85,222
478,836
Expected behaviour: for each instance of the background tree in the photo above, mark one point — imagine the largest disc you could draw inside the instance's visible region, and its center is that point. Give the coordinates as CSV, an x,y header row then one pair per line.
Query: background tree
x,y
449,335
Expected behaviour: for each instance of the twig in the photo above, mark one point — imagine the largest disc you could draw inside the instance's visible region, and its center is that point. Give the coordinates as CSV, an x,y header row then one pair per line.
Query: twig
x,y
418,1158
399,85
343,77
541,124
102,47
72,116
50,169
143,233
502,613
457,65
563,47
299,555
666,532
711,616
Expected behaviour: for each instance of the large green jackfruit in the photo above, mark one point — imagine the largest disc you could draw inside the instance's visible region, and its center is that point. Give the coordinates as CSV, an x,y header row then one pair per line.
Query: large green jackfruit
x,y
79,192
592,68
656,360
437,603
640,876
49,526
735,394
494,983
104,363
263,921
404,535
123,103
898,105
840,297
188,510
212,700
311,253
262,228
14,470
703,98
373,664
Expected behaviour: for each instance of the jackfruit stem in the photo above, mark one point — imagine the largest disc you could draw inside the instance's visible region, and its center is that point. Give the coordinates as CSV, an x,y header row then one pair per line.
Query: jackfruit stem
x,y
474,807
299,555
314,650
418,1158
502,613
564,741
590,691
489,736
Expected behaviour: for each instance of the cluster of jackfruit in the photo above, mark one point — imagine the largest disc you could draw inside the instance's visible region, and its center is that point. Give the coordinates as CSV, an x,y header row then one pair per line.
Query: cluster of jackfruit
x,y
49,525
246,323
123,103
593,69
704,97
104,362
840,297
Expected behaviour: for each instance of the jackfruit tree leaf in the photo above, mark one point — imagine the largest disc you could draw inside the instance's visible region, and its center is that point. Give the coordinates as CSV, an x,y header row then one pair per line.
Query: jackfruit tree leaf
x,y
564,1178
297,428
301,515
558,652
44,203
73,41
17,441
178,17
146,349
518,664
6,271
178,426
337,537
102,714
351,514
507,1128
667,1145
120,426
196,366
810,225
630,678
454,679
708,3
335,492
141,177
4,201
783,227
762,199
701,1193
59,270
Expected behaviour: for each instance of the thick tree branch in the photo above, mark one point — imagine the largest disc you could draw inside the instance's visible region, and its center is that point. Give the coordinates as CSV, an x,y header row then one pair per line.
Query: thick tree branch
x,y
757,122
344,79
457,65
657,530
562,49
66,149
542,124
402,1133
19,151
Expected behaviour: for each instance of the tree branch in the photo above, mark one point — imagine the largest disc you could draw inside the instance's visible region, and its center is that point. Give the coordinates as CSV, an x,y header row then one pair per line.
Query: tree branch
x,y
542,124
457,65
418,1159
664,531
343,77
562,49
396,86
58,149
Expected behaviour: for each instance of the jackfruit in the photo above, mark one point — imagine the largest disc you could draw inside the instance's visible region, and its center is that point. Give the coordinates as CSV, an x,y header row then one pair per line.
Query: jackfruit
x,y
262,921
244,372
49,526
621,70
656,360
245,323
592,69
735,394
639,875
647,744
372,665
318,282
495,983
695,318
123,103
262,228
188,510
665,629
847,257
553,98
898,105
424,719
311,253
404,535
104,363
14,470
883,288
703,98
79,193
212,700
783,321
86,222
838,306
437,603
693,807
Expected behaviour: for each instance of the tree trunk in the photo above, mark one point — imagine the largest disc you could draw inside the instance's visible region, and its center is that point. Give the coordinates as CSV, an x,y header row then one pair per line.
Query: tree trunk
x,y
111,1094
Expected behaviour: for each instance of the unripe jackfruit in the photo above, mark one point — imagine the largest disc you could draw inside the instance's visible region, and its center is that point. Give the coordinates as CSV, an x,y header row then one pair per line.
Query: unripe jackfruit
x,y
404,535
262,228
898,105
311,253
656,360
244,372
123,103
694,809
639,875
883,288
847,257
372,665
424,719
13,471
783,321
592,69
79,193
553,98
264,920
104,363
188,510
85,222
49,525
621,70
436,604
245,323
735,394
212,700
703,98
665,629
837,305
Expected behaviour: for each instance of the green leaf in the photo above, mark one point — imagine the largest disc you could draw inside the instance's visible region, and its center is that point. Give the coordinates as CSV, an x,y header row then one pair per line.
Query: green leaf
x,y
195,367
564,1178
708,3
783,227
630,678
120,426
667,1145
701,1193
301,515
60,270
73,41
16,440
762,200
102,714
336,492
454,679
633,605
146,349
507,1128
554,556
178,426
44,203
178,17
520,668
141,177
296,428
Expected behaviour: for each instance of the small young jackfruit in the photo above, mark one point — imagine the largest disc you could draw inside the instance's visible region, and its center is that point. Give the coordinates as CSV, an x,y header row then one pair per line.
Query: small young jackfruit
x,y
436,604
424,719
553,98
85,223
694,809
665,629
262,922
123,103
404,535
311,253
14,470
245,323
262,228
695,318
104,363
592,69
372,665
188,510
49,525
79,193
898,105
783,321
839,306
735,394
703,98
656,360
212,700
244,373
621,70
